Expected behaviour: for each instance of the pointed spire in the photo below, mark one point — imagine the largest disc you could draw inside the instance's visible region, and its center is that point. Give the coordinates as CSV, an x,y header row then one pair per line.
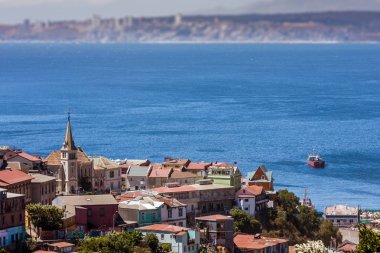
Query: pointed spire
x,y
69,144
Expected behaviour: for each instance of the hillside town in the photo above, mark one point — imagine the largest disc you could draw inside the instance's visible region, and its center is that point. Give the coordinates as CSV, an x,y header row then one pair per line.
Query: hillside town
x,y
188,206
354,26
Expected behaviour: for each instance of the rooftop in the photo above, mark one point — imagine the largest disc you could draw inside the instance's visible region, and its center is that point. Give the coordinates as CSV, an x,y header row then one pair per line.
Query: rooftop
x,y
61,244
163,228
190,188
138,171
54,158
13,153
341,210
215,217
12,176
251,242
39,178
85,200
183,174
103,163
251,190
198,165
159,172
142,203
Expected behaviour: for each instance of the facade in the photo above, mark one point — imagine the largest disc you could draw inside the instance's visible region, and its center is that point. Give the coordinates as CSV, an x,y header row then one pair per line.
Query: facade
x,y
216,230
261,177
342,215
224,173
91,211
16,181
202,198
12,219
71,166
137,177
183,177
259,244
141,211
159,175
43,189
173,212
251,199
106,175
180,239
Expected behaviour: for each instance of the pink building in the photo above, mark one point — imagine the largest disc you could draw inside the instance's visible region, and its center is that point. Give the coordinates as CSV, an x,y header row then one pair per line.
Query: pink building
x,y
91,211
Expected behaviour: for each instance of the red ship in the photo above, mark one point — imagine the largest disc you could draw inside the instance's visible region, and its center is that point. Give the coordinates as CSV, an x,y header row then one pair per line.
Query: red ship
x,y
315,161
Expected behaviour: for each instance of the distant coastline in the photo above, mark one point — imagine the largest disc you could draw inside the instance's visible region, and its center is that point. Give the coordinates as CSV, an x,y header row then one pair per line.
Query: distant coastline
x,y
299,28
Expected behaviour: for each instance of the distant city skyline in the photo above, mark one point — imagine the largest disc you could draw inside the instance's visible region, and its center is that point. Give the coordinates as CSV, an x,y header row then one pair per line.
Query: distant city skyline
x,y
15,11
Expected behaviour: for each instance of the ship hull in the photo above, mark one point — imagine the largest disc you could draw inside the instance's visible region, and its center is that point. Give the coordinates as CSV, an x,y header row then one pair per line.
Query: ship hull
x,y
316,164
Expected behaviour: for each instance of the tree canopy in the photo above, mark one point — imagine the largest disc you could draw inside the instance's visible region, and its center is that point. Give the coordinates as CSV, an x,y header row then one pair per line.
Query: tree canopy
x,y
244,223
152,241
46,217
369,240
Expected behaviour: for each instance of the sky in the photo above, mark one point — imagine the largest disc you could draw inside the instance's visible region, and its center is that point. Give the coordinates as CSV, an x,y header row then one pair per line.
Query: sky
x,y
15,11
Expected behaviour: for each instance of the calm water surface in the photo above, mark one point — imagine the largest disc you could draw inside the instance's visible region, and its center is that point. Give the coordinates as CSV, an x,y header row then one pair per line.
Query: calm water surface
x,y
252,104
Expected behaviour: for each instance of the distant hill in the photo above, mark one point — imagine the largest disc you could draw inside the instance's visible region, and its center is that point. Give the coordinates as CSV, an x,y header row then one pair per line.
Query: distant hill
x,y
349,26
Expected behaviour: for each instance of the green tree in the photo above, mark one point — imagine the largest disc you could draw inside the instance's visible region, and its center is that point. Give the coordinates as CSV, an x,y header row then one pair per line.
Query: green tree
x,y
244,223
123,242
152,241
46,217
327,231
369,240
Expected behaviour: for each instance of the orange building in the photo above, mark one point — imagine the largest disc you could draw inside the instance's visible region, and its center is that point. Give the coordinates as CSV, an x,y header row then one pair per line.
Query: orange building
x,y
261,177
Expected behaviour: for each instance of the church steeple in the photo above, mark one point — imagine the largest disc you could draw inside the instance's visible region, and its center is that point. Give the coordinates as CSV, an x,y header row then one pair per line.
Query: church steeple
x,y
68,143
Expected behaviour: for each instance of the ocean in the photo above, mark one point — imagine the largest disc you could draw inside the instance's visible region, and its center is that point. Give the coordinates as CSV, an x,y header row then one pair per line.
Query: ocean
x,y
252,104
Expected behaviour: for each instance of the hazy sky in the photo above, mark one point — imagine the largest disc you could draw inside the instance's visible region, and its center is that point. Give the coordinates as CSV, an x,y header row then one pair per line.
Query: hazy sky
x,y
14,11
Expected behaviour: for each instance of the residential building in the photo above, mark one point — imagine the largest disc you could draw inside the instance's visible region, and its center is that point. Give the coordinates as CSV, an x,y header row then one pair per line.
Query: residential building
x,y
3,162
16,181
180,239
224,173
172,212
19,166
61,247
71,166
183,177
176,163
33,161
137,177
159,175
216,230
106,175
261,177
140,211
12,219
251,199
91,211
199,168
201,198
124,165
342,215
259,244
347,247
43,189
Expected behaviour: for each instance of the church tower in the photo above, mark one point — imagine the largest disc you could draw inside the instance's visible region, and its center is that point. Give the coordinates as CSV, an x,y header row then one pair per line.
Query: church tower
x,y
69,162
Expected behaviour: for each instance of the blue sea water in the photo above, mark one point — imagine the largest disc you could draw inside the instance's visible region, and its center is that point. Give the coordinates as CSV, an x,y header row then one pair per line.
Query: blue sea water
x,y
253,104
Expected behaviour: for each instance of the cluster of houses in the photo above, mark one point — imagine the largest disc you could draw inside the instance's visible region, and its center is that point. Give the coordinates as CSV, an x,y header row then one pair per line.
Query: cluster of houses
x,y
184,203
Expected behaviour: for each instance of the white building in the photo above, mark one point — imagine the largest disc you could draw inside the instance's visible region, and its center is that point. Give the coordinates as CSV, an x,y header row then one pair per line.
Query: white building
x,y
173,212
181,239
107,175
342,215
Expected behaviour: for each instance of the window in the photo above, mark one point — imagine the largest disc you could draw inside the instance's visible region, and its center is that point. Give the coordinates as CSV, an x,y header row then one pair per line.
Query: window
x,y
180,212
246,200
180,224
112,174
142,216
12,238
192,207
170,213
13,219
246,208
89,212
262,177
162,237
101,212
154,216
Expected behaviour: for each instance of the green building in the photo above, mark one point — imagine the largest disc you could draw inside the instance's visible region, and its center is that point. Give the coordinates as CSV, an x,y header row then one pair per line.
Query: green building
x,y
226,174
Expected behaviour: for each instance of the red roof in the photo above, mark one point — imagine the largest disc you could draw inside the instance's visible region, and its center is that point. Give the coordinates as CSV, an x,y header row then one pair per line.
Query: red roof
x,y
198,166
10,154
158,171
184,188
222,164
163,228
12,176
183,174
249,242
252,190
214,217
129,196
61,244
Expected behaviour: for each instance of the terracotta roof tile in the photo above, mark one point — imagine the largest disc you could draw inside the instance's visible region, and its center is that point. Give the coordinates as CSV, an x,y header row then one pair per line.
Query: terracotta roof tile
x,y
249,242
163,228
184,188
198,166
253,190
158,171
214,217
54,158
183,174
12,176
